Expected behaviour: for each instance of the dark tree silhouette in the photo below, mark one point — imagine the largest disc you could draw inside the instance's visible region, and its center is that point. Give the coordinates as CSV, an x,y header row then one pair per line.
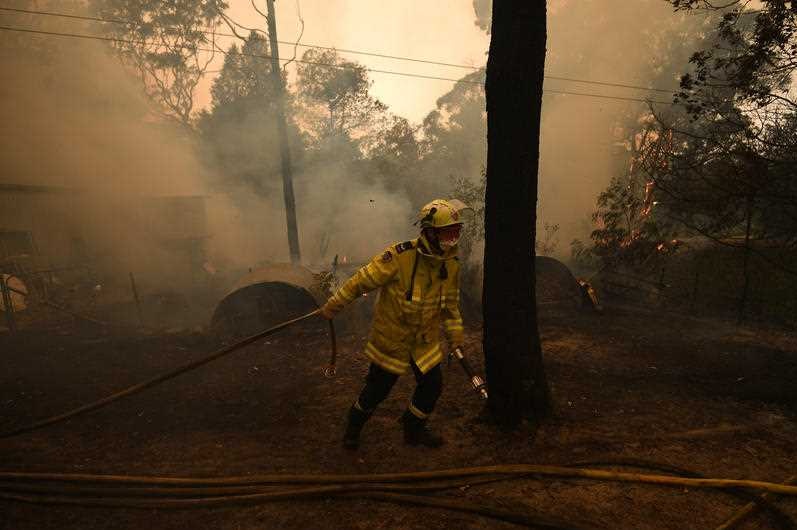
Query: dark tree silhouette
x,y
163,42
513,355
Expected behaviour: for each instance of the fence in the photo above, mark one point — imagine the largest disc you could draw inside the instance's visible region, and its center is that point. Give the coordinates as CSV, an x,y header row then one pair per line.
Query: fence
x,y
709,283
36,293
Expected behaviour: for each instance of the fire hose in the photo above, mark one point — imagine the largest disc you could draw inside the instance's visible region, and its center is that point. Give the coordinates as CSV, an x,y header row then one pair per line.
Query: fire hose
x,y
174,492
329,371
477,382
401,477
238,490
187,492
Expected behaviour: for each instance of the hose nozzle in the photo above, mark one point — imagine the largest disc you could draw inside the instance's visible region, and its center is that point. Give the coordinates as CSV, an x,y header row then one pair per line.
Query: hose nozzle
x,y
479,385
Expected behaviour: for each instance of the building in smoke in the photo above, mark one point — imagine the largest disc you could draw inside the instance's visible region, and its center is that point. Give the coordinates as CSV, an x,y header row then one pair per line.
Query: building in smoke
x,y
48,228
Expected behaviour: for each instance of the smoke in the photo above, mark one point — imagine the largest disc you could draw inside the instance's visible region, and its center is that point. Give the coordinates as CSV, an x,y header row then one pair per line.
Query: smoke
x,y
641,43
75,118
344,214
341,208
138,192
338,212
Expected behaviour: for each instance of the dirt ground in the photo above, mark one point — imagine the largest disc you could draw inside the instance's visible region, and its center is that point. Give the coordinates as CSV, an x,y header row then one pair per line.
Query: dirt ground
x,y
627,384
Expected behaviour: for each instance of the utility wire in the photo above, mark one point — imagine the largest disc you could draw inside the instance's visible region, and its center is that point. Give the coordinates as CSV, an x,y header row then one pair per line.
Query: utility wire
x,y
328,65
258,56
343,50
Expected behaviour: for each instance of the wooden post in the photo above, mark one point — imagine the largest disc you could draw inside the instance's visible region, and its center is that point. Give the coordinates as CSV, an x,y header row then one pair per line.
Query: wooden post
x,y
8,304
135,296
282,130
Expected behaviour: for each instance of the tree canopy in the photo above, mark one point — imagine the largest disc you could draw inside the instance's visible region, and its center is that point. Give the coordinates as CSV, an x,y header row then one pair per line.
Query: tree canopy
x,y
239,131
164,42
335,94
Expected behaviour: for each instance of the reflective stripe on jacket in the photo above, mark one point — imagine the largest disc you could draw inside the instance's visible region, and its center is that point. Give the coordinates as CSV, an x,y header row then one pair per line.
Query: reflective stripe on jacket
x,y
419,294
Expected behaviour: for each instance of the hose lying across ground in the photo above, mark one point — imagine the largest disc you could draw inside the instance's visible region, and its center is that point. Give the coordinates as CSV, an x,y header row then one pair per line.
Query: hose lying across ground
x,y
755,503
172,374
170,492
173,492
751,508
247,495
507,469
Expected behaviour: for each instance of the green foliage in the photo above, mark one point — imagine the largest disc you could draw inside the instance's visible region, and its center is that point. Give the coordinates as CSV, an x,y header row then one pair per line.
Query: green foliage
x,y
755,58
351,131
336,99
731,171
239,132
632,224
727,173
393,152
163,42
245,73
626,232
635,221
454,136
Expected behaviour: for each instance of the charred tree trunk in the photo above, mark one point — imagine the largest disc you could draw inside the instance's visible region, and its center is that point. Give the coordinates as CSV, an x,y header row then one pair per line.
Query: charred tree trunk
x,y
513,355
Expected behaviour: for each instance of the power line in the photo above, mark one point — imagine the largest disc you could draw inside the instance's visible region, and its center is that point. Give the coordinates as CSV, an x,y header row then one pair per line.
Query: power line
x,y
328,65
210,50
601,96
208,32
606,83
343,50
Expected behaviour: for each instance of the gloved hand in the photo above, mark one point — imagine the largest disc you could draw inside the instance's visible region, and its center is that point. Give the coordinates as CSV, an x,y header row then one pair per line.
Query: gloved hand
x,y
329,310
452,355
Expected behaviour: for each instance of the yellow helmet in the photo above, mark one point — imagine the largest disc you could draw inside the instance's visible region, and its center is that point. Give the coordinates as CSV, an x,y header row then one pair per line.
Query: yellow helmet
x,y
440,213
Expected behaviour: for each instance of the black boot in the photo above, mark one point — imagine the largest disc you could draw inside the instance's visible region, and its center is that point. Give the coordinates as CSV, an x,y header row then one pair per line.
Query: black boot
x,y
357,419
416,432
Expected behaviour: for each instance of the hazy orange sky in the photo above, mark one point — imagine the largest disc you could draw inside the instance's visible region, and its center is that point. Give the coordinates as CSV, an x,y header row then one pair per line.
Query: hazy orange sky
x,y
441,30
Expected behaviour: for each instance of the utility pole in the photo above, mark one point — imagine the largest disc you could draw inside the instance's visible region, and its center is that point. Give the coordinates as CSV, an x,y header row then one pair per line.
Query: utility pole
x,y
282,130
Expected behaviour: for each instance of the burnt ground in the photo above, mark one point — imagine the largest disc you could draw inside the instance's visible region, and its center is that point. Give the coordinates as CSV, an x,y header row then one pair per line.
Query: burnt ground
x,y
626,384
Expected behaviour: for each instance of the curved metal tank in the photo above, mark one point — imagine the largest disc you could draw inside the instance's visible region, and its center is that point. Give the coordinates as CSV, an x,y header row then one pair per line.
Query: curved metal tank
x,y
267,296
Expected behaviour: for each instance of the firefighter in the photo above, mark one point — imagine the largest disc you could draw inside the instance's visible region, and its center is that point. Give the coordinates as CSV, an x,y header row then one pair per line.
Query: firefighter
x,y
419,293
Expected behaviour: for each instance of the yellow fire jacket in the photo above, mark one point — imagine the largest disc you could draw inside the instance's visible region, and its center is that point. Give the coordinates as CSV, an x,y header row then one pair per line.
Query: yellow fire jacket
x,y
419,294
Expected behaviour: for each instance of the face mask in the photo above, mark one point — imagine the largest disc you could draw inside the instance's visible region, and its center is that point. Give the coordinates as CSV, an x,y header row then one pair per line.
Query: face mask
x,y
448,243
448,238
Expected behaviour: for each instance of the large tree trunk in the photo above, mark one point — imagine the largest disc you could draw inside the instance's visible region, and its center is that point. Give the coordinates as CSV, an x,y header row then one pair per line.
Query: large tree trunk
x,y
513,355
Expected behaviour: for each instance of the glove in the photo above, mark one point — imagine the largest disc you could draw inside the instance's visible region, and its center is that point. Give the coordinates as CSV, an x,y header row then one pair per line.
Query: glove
x,y
452,355
330,309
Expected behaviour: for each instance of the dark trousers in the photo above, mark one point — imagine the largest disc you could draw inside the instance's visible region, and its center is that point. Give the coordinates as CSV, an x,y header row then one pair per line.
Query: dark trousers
x,y
379,382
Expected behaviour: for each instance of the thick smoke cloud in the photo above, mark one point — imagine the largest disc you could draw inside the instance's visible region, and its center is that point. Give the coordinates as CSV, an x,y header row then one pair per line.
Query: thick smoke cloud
x,y
641,43
75,117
